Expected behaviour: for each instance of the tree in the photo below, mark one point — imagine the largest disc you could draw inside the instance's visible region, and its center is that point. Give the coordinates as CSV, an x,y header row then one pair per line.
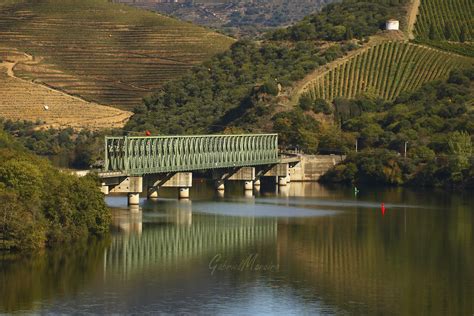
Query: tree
x,y
460,146
305,102
321,105
462,35
40,205
447,31
270,87
19,229
349,35
431,32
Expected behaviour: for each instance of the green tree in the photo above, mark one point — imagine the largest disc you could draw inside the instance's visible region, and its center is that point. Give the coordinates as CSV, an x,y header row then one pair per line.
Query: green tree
x,y
462,34
460,147
432,32
447,31
20,229
41,206
305,102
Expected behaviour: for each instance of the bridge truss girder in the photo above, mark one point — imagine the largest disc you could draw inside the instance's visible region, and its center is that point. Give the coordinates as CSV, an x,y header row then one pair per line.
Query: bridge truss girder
x,y
161,154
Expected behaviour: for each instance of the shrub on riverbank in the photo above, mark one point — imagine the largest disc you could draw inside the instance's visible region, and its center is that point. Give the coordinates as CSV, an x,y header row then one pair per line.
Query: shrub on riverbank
x,y
383,166
41,206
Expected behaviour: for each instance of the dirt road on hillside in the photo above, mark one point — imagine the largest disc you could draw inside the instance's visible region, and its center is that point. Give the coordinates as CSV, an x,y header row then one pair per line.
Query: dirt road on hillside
x,y
22,99
412,14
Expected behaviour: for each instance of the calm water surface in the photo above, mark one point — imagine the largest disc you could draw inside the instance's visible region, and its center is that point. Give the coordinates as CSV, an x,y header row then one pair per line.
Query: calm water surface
x,y
307,249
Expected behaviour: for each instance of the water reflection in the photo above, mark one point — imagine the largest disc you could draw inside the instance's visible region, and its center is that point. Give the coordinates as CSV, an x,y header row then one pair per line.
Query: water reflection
x,y
128,221
42,277
335,253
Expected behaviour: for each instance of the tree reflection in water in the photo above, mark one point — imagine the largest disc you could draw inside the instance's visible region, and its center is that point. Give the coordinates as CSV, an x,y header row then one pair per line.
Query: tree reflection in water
x,y
415,260
63,271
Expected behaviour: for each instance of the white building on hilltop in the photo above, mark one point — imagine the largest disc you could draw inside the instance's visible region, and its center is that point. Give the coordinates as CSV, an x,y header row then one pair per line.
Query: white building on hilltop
x,y
392,25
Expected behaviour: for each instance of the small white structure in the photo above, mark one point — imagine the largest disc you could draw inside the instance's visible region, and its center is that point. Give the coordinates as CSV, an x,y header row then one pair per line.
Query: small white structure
x,y
45,107
392,25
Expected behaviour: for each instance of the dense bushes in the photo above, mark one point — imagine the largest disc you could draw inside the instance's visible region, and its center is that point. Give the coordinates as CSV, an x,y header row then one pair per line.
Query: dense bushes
x,y
41,206
376,166
221,90
79,148
383,166
342,21
436,123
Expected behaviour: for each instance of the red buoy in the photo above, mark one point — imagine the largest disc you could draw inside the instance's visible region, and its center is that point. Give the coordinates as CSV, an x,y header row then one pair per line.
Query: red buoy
x,y
383,209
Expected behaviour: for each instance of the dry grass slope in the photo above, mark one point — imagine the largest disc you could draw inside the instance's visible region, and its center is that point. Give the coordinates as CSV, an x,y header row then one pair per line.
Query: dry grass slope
x,y
107,53
384,70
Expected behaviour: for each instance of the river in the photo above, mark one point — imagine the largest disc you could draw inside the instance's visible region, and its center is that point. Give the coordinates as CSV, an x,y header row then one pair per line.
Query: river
x,y
305,249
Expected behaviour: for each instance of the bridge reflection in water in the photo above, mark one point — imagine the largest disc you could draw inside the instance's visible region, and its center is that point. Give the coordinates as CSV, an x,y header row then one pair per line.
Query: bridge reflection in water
x,y
358,261
414,260
166,239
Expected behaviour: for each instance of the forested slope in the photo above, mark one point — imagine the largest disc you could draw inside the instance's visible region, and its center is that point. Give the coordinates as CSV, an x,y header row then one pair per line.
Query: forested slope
x,y
435,123
247,85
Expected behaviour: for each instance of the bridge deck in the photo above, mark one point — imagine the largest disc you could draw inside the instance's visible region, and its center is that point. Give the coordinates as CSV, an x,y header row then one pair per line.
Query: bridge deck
x,y
161,154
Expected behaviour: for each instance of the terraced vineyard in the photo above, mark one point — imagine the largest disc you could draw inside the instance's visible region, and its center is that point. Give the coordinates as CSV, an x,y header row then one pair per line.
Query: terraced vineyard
x,y
22,100
447,19
384,70
107,53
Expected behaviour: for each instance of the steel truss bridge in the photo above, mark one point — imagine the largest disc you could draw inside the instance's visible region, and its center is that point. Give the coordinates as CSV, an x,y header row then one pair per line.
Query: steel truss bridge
x,y
144,164
137,156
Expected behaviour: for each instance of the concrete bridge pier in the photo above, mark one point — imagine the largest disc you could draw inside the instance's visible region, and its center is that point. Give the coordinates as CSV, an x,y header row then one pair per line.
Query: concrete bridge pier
x,y
104,188
152,193
220,193
181,180
183,193
256,184
248,193
220,185
246,174
131,185
280,172
248,186
133,198
282,181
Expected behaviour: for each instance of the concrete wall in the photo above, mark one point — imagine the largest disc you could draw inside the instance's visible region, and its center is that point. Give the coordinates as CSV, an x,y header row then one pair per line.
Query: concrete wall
x,y
312,167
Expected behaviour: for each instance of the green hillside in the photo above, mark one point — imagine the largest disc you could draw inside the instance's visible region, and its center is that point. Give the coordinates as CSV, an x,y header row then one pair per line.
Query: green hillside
x,y
109,53
446,24
436,122
249,83
384,70
445,20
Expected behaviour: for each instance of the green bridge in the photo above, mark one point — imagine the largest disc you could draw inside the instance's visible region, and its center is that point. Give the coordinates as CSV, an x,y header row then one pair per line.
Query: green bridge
x,y
134,163
146,155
